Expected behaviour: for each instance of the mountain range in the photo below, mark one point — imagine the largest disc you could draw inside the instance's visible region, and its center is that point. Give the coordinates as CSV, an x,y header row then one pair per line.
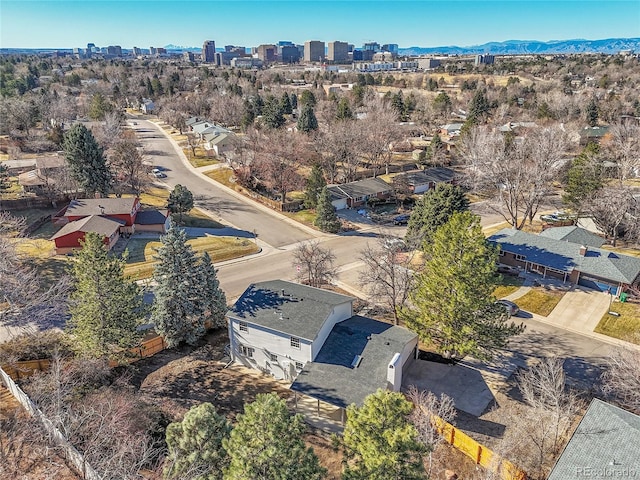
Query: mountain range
x,y
523,47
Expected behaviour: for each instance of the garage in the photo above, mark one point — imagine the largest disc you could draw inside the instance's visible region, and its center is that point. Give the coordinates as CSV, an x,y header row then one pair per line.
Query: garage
x,y
597,284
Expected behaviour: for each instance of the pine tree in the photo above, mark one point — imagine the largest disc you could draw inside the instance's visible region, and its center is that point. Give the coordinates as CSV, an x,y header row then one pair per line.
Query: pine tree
x,y
326,217
307,98
436,148
307,121
86,160
180,201
5,184
380,441
177,311
479,107
315,184
266,443
195,445
272,114
592,113
105,306
294,101
212,298
433,210
285,104
344,110
452,303
584,178
397,102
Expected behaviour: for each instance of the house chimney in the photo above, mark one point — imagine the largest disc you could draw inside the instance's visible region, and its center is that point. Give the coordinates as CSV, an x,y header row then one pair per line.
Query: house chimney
x,y
394,373
583,250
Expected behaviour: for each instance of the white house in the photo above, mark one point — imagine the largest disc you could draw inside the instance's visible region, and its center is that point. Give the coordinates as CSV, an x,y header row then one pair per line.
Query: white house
x,y
311,337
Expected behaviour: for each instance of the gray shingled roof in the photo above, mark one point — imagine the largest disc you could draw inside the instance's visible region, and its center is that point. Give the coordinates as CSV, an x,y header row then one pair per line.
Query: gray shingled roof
x,y
152,217
435,174
565,256
332,379
606,440
301,312
93,223
574,235
100,206
368,186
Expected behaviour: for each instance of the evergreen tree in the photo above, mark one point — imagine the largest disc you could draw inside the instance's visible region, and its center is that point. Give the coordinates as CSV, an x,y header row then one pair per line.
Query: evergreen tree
x,y
180,201
266,443
86,160
584,178
177,310
397,102
326,217
592,113
452,303
294,101
285,104
436,148
272,114
433,210
315,184
99,107
344,110
212,298
479,107
5,184
380,441
105,306
195,445
307,98
307,121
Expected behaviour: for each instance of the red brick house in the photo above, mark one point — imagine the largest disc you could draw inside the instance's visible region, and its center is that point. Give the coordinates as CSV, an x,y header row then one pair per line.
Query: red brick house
x,y
69,237
109,217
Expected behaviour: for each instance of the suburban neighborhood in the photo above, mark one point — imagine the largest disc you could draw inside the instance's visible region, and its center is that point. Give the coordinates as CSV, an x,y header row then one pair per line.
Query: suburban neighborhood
x,y
320,260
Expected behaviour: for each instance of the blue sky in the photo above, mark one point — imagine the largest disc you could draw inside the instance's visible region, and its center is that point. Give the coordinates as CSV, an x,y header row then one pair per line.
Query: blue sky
x,y
67,24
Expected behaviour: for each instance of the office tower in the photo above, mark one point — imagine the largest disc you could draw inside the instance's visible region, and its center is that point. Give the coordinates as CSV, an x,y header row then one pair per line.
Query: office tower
x,y
267,53
289,54
313,51
209,51
338,52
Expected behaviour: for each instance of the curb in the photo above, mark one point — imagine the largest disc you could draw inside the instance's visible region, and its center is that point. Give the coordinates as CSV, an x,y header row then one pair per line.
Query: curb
x,y
239,196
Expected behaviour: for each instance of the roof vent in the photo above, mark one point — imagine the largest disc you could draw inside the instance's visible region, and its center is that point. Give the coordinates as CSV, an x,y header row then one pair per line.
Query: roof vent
x,y
356,361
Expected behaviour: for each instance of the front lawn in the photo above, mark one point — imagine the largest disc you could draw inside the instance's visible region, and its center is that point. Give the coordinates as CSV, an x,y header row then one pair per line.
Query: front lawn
x,y
306,217
197,218
539,301
507,285
626,326
140,262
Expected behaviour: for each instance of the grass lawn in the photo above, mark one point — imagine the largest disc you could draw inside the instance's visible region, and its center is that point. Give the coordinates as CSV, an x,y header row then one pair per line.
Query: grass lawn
x,y
157,198
306,217
223,176
140,262
507,286
488,231
197,218
202,161
41,255
154,198
626,326
539,301
633,252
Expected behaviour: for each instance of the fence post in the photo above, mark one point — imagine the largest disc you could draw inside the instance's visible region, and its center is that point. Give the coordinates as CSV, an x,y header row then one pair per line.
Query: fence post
x,y
479,454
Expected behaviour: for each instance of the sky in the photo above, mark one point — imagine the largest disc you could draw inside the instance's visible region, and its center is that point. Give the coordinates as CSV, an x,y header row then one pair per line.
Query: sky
x,y
144,23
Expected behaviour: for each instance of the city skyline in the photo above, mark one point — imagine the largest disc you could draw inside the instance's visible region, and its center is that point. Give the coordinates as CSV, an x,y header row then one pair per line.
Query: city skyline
x,y
142,23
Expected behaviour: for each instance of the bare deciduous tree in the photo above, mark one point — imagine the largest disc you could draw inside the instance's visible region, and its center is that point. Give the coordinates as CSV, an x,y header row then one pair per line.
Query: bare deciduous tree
x,y
428,410
314,264
387,276
612,207
126,161
377,131
622,145
621,380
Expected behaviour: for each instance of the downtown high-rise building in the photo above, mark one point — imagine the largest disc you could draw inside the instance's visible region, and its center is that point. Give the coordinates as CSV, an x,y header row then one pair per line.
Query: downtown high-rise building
x,y
338,52
209,51
313,51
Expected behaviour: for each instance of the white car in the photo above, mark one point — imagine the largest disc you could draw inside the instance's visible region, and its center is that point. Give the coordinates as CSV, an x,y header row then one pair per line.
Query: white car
x,y
156,172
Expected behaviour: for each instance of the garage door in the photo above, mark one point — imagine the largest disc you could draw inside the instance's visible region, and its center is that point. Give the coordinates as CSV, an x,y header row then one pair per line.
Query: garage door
x,y
596,284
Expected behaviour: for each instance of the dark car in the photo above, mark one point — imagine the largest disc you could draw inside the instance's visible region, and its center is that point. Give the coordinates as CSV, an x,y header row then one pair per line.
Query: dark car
x,y
512,308
401,219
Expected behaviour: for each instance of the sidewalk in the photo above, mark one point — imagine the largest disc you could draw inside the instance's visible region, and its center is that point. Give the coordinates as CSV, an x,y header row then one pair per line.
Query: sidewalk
x,y
579,311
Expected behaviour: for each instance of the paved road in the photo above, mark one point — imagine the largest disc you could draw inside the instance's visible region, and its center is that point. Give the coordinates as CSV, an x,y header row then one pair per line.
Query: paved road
x,y
242,214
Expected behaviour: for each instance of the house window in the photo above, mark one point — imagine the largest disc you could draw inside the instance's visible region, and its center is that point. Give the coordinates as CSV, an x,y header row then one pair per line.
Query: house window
x,y
295,342
247,351
244,327
501,253
299,365
521,258
273,357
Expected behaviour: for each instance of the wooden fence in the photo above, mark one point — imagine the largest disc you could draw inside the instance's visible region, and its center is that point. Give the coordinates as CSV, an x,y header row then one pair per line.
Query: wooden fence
x,y
148,348
480,454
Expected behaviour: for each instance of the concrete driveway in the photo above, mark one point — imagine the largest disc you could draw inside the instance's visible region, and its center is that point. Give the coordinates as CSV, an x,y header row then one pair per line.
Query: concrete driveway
x,y
580,309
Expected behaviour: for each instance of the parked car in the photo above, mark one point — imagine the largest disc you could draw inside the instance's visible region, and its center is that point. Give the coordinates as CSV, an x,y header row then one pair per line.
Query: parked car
x,y
394,243
508,270
156,172
512,308
401,219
